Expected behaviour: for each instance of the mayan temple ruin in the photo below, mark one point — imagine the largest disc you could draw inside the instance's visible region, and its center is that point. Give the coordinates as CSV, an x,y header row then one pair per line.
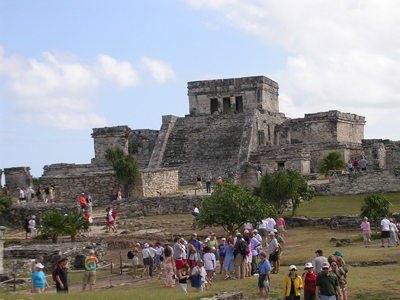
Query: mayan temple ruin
x,y
234,130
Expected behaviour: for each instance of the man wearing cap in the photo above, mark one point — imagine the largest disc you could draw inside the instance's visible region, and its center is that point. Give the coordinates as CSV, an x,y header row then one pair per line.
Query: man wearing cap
x,y
270,225
89,275
273,248
262,227
254,243
38,282
327,285
319,260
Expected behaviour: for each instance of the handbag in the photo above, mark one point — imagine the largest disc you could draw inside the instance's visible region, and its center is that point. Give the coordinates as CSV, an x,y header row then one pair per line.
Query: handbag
x,y
161,258
196,281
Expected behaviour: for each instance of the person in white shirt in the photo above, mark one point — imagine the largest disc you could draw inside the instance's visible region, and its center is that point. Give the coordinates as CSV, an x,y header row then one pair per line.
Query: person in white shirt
x,y
160,253
209,260
200,271
32,224
258,237
21,194
262,229
385,231
270,225
393,233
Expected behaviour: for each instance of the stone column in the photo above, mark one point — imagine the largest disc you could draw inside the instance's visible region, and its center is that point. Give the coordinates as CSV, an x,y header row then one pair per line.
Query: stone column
x,y
17,178
2,238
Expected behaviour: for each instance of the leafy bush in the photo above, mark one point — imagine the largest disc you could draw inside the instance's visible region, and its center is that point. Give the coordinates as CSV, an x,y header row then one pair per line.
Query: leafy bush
x,y
5,203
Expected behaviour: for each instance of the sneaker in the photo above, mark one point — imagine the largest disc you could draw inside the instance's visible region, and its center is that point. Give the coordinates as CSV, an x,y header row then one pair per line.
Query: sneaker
x,y
226,277
382,246
234,278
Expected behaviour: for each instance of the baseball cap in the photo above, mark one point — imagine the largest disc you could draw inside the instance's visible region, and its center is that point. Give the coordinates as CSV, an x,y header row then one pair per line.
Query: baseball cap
x,y
146,245
39,265
223,239
292,267
138,244
325,265
338,253
246,231
309,266
255,230
319,251
271,233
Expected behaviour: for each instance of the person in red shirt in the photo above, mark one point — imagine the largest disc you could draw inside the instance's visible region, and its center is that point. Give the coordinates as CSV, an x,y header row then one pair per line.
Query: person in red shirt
x,y
82,201
309,278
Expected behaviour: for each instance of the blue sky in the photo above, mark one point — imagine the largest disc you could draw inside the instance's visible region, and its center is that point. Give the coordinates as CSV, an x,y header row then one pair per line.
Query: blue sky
x,y
69,66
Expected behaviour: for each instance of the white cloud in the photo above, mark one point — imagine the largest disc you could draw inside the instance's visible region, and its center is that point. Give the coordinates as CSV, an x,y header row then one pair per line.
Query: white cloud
x,y
60,92
344,54
160,70
120,73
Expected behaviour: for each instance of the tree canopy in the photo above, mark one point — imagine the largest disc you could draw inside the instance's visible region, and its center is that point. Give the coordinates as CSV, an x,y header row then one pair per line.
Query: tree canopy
x,y
332,161
230,206
125,166
277,187
375,206
5,202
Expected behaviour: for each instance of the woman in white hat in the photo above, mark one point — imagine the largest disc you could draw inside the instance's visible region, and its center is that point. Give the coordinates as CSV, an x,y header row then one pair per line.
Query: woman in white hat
x,y
38,281
292,285
309,278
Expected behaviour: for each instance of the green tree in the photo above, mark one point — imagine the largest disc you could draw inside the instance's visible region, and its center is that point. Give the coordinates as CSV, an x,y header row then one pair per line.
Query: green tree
x,y
375,207
5,202
230,206
332,161
276,188
53,223
125,167
73,224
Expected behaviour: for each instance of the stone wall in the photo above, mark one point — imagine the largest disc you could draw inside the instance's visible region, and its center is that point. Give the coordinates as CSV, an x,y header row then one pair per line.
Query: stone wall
x,y
103,186
381,154
141,143
75,252
15,217
2,239
109,137
16,178
178,204
370,181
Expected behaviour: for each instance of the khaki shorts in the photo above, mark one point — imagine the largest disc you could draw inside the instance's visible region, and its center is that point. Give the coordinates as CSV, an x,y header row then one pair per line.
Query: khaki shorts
x,y
38,290
89,277
135,261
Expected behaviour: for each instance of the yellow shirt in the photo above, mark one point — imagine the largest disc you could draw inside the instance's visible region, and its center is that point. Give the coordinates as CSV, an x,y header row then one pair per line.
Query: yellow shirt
x,y
287,284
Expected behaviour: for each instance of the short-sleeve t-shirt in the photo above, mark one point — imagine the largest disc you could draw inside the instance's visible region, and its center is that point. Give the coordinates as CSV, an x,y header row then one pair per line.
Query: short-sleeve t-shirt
x,y
309,282
273,244
39,279
209,261
385,223
221,249
90,263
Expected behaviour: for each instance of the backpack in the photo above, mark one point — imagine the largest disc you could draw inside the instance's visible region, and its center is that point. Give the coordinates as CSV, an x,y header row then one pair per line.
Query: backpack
x,y
114,214
244,248
130,255
53,274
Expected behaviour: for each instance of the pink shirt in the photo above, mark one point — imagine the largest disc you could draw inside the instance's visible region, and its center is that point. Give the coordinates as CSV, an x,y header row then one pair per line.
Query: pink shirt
x,y
365,226
281,222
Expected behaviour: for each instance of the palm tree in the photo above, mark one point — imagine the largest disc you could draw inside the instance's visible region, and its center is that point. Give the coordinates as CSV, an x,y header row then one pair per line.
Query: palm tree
x,y
332,161
53,225
74,222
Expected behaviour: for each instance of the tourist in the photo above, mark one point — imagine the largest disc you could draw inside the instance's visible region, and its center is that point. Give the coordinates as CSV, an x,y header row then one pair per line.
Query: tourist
x,y
229,258
363,164
292,285
5,190
327,284
213,243
39,193
208,183
21,195
153,253
119,195
89,275
273,248
178,255
393,233
221,248
341,274
254,244
270,226
183,278
209,262
240,260
281,227
146,260
135,259
262,229
281,242
309,278
87,218
61,276
249,257
219,180
248,226
192,254
199,183
350,167
195,211
319,261
89,203
32,224
28,194
197,245
356,165
38,282
366,228
111,220
385,231
39,225
38,260
258,237
169,268
52,194
159,255
199,277
82,201
263,279
26,226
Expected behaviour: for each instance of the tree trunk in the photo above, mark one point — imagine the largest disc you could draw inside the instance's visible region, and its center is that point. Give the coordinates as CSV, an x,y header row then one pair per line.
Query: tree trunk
x,y
73,238
294,207
54,239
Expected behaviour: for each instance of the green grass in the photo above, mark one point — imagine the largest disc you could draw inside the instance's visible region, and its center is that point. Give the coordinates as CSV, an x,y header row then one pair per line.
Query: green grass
x,y
329,206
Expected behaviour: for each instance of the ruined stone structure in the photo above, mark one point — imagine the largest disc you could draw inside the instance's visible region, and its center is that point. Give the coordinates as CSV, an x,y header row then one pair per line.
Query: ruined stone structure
x,y
16,178
2,239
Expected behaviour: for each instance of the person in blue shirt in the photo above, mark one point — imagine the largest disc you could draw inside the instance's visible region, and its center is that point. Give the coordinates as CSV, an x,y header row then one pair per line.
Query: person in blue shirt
x,y
229,257
38,282
197,245
263,280
221,247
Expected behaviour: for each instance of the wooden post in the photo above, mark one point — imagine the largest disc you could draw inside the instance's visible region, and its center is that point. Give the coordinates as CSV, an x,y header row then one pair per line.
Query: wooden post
x,y
120,262
111,267
15,282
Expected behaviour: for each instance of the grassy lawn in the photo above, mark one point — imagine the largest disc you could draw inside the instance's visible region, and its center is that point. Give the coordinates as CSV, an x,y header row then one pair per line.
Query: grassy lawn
x,y
329,206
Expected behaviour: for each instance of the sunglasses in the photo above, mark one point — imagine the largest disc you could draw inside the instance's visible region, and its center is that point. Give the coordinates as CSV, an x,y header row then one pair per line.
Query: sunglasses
x,y
325,268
